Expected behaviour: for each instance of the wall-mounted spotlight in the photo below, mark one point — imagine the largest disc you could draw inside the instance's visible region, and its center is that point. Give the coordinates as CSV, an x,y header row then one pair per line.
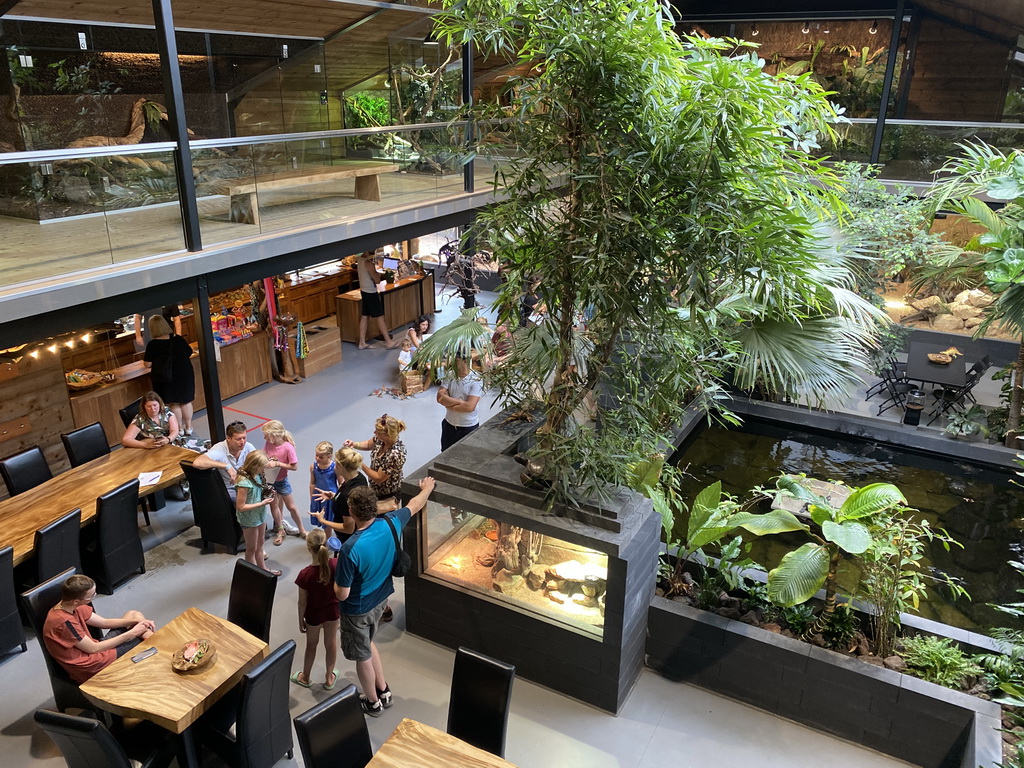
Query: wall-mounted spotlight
x,y
826,30
429,40
873,29
754,31
806,27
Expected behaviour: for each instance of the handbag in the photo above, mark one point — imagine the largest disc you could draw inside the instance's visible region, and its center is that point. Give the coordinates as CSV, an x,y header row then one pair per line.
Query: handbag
x,y
402,562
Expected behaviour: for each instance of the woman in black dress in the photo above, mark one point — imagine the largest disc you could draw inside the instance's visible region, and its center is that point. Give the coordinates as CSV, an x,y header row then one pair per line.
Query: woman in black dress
x,y
169,358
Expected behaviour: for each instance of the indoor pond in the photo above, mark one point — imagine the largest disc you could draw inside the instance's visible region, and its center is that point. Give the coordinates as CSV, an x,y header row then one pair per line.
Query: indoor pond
x,y
976,506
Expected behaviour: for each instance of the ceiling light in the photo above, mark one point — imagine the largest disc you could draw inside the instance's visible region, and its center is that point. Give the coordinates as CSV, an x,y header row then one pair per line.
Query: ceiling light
x,y
806,28
873,29
754,31
429,40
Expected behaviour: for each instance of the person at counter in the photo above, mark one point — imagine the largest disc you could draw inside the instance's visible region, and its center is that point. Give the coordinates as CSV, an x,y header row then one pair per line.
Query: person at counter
x,y
154,426
372,303
169,358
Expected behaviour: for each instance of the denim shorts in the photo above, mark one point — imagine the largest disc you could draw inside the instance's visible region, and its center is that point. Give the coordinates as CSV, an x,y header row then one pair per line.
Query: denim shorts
x,y
283,487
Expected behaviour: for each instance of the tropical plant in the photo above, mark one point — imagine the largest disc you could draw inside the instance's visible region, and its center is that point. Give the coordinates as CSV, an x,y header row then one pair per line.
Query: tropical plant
x,y
969,422
999,252
724,574
892,577
651,173
838,630
937,660
802,572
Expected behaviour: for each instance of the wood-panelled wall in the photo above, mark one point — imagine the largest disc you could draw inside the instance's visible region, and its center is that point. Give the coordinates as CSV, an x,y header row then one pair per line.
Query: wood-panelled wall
x,y
34,409
957,75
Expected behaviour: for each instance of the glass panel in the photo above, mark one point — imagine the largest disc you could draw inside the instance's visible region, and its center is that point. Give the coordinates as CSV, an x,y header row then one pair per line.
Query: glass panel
x,y
915,151
554,579
67,215
852,143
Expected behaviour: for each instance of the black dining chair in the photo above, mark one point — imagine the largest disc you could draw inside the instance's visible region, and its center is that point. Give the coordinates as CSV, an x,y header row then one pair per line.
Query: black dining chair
x,y
979,369
25,470
12,634
85,444
130,411
117,553
212,508
251,727
896,390
952,399
86,743
56,546
35,604
251,600
480,700
333,733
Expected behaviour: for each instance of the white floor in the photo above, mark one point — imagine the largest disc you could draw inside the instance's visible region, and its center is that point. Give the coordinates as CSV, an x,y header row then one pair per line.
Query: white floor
x,y
662,723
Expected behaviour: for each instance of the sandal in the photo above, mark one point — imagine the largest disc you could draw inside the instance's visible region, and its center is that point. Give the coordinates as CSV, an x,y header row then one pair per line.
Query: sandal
x,y
278,536
273,572
331,686
295,679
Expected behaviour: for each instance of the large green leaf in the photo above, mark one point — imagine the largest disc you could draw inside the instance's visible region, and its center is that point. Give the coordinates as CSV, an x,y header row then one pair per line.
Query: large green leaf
x,y
799,575
870,500
795,488
646,472
851,537
1005,188
775,521
820,514
704,506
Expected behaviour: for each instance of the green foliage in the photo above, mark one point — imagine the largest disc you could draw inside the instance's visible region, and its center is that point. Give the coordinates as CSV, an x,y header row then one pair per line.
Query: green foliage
x,y
1007,665
892,337
971,421
894,579
838,629
724,575
798,618
938,660
650,173
1016,758
367,109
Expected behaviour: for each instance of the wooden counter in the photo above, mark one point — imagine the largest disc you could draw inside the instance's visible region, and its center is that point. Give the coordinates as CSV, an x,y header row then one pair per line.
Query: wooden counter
x,y
404,301
244,365
310,296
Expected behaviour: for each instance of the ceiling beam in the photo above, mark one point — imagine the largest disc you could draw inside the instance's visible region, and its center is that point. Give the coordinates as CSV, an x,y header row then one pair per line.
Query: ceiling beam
x,y
7,5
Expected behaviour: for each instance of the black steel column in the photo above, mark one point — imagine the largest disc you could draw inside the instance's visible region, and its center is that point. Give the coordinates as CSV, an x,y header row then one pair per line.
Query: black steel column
x,y
208,360
168,47
890,70
467,101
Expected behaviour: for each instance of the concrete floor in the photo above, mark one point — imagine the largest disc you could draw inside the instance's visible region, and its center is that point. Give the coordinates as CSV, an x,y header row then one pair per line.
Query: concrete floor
x,y
662,723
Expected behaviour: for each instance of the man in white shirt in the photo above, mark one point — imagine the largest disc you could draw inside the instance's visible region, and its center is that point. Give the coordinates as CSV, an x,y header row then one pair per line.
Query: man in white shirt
x,y
228,455
372,304
460,396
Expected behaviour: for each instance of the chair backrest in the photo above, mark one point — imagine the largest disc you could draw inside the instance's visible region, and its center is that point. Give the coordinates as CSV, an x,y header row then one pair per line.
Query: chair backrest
x,y
85,444
211,506
84,742
25,470
11,632
35,604
56,546
333,733
480,700
263,726
982,365
130,411
120,548
251,601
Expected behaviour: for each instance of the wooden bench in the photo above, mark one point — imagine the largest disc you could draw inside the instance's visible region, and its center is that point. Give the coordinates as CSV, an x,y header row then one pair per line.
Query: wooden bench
x,y
245,206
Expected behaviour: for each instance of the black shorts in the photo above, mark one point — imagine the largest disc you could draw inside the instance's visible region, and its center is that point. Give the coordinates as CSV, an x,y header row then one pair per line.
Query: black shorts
x,y
372,304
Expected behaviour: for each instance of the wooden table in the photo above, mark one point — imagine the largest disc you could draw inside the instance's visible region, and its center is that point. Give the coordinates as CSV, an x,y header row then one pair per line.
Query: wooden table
x,y
920,368
152,690
404,301
415,745
22,515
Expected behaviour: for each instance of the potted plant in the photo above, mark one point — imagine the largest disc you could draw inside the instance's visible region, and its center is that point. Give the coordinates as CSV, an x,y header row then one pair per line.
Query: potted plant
x,y
968,424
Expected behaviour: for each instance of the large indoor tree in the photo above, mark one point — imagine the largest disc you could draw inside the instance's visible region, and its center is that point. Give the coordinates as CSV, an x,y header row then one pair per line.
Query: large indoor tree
x,y
662,193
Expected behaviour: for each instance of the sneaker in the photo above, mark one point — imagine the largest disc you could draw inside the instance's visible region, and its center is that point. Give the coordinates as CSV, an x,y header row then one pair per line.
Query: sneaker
x,y
388,614
385,698
289,528
373,710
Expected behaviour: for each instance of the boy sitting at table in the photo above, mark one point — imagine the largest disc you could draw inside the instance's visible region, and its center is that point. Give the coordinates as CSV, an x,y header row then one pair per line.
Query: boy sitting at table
x,y
66,631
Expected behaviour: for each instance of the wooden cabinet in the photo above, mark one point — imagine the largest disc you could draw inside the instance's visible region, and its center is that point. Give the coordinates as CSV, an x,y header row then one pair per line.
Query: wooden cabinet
x,y
404,301
244,365
311,297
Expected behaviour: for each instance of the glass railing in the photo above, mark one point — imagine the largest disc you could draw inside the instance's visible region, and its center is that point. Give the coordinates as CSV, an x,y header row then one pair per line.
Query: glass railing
x,y
62,211
67,210
914,150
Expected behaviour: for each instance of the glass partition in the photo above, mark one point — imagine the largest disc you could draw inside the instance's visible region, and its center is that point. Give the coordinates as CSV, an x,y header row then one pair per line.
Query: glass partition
x,y
914,151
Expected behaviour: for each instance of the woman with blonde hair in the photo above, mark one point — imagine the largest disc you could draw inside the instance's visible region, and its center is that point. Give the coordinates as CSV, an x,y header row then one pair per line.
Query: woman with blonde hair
x,y
318,609
251,500
347,462
280,451
169,359
387,457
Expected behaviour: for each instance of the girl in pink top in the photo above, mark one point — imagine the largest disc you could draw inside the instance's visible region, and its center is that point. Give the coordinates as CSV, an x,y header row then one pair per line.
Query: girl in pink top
x,y
280,450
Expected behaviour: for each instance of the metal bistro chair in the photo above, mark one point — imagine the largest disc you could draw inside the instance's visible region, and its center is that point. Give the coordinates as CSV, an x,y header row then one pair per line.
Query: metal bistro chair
x,y
895,389
118,550
980,368
894,368
333,733
85,444
947,400
480,700
24,471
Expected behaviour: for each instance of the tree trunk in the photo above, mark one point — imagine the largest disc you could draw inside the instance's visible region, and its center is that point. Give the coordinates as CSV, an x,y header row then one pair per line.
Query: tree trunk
x,y
1016,400
829,608
517,549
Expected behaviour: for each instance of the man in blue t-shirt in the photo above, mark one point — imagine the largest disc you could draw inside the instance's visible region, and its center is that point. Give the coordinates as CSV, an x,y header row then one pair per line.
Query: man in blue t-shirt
x,y
362,583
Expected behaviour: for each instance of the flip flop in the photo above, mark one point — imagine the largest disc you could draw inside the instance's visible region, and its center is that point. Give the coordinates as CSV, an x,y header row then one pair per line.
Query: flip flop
x,y
278,537
295,679
273,572
331,686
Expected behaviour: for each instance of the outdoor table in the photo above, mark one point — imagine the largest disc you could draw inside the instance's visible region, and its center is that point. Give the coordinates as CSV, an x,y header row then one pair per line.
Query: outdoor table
x,y
22,515
919,368
152,690
416,745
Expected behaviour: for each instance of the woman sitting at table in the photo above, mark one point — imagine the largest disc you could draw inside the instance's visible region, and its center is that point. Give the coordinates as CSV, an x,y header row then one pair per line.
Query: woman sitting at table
x,y
154,426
